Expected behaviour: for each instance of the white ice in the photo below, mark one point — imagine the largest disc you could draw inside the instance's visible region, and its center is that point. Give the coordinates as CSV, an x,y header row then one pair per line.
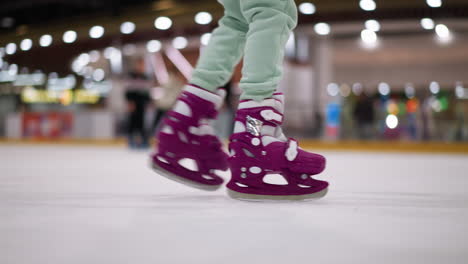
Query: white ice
x,y
67,205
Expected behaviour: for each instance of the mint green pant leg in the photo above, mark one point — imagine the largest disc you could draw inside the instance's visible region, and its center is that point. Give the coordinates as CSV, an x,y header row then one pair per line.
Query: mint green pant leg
x,y
270,25
224,51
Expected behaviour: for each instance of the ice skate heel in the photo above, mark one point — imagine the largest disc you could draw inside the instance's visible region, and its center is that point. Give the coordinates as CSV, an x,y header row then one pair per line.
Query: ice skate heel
x,y
259,148
188,151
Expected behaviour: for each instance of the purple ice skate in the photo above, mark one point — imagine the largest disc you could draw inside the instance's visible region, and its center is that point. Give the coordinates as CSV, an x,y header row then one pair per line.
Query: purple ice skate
x,y
187,135
258,148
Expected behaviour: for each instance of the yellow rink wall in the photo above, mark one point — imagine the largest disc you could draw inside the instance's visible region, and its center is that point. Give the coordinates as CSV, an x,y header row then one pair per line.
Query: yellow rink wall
x,y
368,146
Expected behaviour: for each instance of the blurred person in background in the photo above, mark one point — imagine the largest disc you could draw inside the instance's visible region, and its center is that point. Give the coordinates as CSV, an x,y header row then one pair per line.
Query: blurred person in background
x,y
347,117
364,114
257,30
137,99
413,120
461,129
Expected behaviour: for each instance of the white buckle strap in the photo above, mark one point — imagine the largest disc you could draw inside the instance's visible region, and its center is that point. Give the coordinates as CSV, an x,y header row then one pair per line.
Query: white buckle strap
x,y
291,152
271,115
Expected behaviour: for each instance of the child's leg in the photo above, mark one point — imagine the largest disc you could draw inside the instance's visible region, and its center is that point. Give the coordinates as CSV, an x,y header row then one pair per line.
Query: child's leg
x,y
223,53
270,24
258,146
186,132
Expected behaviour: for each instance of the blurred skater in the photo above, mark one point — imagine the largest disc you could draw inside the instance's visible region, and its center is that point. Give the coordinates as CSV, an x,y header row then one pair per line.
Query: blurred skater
x,y
137,100
364,114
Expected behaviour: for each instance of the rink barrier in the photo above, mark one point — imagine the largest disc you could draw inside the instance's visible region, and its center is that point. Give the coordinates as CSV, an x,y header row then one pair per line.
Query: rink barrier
x,y
367,146
386,146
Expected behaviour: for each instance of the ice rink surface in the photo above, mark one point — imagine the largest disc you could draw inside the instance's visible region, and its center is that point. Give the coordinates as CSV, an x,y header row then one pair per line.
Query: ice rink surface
x,y
83,205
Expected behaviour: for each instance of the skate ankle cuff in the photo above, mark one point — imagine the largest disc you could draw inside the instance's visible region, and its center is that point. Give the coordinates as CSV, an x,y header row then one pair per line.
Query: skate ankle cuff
x,y
215,98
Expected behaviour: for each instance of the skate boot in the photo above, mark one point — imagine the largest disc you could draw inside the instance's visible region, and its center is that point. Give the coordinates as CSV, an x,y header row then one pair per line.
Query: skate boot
x,y
259,148
188,137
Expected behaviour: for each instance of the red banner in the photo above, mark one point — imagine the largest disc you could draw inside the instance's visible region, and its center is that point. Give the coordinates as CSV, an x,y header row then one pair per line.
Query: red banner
x,y
47,125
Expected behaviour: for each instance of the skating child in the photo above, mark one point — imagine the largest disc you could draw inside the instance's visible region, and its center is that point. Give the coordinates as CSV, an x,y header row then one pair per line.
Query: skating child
x,y
257,30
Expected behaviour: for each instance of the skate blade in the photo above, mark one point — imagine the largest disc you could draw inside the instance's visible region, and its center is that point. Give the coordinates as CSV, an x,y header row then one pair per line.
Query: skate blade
x,y
173,177
275,198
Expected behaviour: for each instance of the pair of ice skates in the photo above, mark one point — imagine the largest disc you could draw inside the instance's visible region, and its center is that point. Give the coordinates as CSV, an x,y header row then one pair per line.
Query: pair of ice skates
x,y
257,147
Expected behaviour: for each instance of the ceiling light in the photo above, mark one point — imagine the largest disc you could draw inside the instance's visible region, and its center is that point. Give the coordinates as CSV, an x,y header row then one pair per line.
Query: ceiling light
x,y
45,40
127,27
163,23
373,25
322,29
367,5
307,8
427,23
203,18
179,42
26,44
153,46
434,3
69,36
10,48
96,32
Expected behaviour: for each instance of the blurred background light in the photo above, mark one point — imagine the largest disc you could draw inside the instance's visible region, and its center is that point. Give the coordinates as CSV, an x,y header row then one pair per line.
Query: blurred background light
x,y
384,89
333,89
153,46
205,39
434,87
442,32
357,89
434,3
10,48
345,90
96,32
84,59
307,8
111,53
427,23
322,29
13,69
163,23
391,121
98,75
203,18
459,90
127,27
436,104
69,36
179,42
367,5
373,25
94,56
26,44
45,40
409,90
368,36
76,66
